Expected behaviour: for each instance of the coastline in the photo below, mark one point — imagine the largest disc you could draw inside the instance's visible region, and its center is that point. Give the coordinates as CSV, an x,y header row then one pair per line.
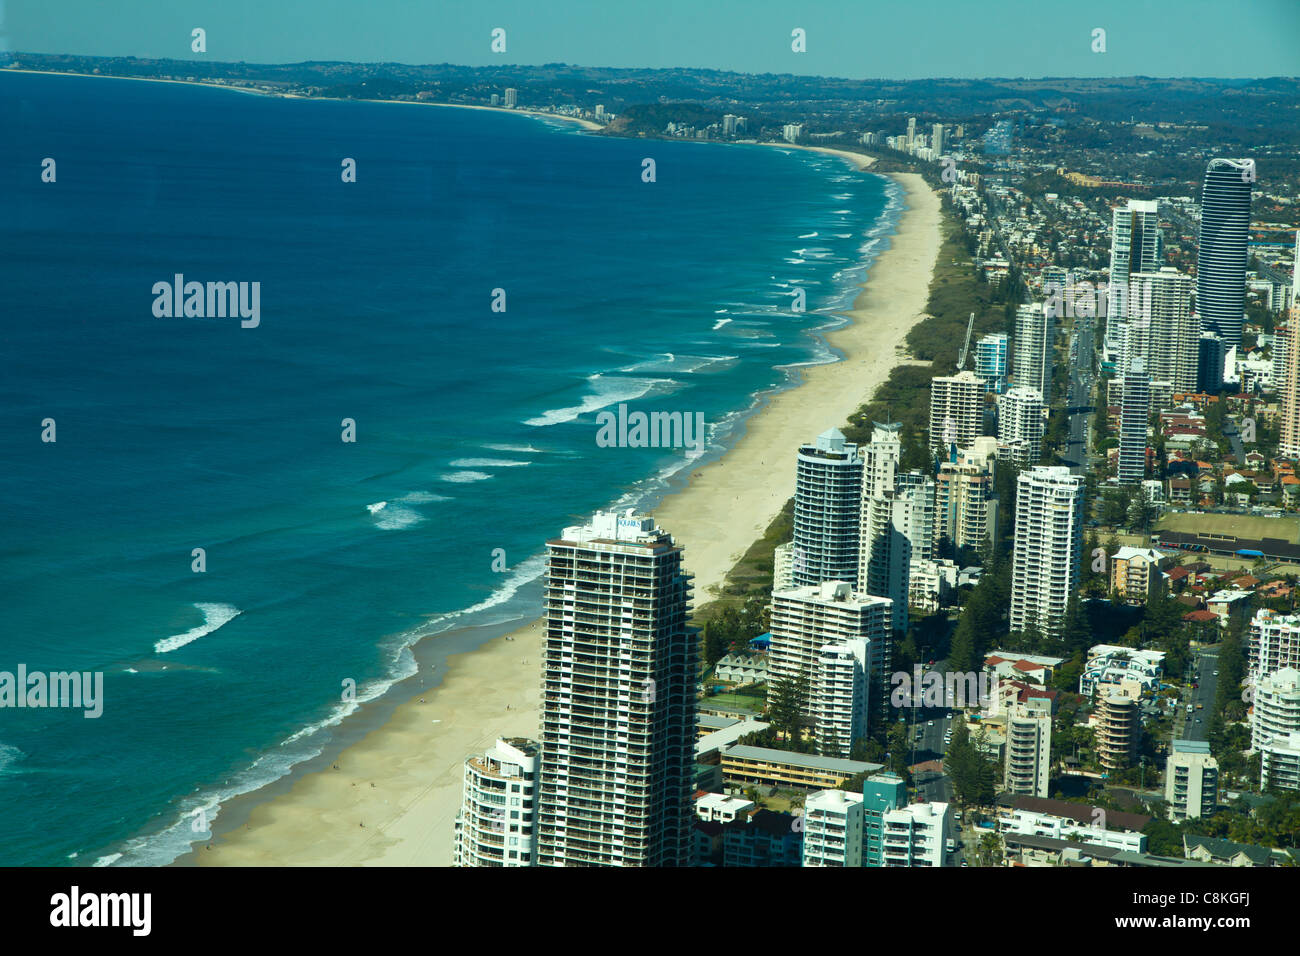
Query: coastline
x,y
862,161
390,797
585,124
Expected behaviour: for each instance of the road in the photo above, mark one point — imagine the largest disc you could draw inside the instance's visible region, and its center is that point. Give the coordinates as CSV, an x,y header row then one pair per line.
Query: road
x,y
1079,400
1195,727
1231,433
928,727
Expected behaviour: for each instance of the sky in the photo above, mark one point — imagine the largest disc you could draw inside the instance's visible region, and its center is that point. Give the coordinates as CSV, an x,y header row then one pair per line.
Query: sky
x,y
848,38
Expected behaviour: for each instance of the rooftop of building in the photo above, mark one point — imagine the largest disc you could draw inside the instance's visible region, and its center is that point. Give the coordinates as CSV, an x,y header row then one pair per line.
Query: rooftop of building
x,y
810,761
1079,812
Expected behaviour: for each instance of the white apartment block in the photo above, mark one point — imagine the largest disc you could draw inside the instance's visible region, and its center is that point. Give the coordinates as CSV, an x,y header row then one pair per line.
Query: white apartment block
x,y
897,530
1021,424
1162,328
1111,668
1273,643
880,458
1031,363
1289,444
832,829
1029,747
1045,557
885,555
806,620
1134,247
1275,729
619,673
839,696
783,567
1135,411
956,411
827,510
1031,823
916,835
722,807
496,823
1191,780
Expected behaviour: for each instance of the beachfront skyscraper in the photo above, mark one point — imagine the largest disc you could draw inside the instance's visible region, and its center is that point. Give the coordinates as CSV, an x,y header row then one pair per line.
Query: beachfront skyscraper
x,y
1031,362
827,506
1135,246
956,411
1162,329
1135,410
991,361
1221,253
496,823
1045,557
1021,425
619,670
512,98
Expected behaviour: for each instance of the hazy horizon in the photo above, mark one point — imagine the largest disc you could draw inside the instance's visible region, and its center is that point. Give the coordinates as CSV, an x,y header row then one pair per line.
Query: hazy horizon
x,y
1007,39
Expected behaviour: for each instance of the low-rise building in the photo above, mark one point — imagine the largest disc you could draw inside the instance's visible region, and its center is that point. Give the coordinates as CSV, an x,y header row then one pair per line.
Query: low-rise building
x,y
742,668
1108,667
745,766
721,807
1137,574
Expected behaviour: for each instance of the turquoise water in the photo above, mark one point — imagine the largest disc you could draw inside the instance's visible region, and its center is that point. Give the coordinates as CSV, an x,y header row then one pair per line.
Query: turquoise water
x,y
475,430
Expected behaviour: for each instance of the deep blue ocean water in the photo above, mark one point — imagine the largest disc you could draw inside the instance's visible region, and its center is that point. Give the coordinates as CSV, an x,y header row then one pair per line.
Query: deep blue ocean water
x,y
475,429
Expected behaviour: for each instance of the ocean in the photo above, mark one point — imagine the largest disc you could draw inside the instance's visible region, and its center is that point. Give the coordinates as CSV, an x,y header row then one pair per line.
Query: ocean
x,y
323,559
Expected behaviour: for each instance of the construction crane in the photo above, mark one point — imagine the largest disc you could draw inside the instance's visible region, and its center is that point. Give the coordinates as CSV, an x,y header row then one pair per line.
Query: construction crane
x,y
961,358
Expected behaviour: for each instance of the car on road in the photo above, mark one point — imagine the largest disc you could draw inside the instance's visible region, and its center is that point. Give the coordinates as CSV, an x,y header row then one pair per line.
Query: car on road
x,y
1216,673
930,723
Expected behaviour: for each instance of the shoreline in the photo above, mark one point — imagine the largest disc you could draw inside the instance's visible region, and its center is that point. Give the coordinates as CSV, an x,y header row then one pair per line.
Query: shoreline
x,y
390,796
584,123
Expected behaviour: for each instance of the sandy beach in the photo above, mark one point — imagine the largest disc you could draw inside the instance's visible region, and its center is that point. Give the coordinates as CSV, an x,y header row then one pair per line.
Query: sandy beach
x,y
395,793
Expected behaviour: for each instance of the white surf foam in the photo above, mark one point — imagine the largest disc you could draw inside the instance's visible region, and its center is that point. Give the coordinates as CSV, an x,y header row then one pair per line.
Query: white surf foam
x,y
462,477
422,498
487,463
397,518
214,616
604,391
9,756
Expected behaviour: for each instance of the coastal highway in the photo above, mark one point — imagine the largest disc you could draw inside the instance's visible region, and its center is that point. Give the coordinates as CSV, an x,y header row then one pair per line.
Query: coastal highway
x,y
1079,401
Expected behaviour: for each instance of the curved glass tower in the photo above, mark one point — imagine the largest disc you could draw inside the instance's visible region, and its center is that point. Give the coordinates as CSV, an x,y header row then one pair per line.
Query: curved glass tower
x,y
1221,256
